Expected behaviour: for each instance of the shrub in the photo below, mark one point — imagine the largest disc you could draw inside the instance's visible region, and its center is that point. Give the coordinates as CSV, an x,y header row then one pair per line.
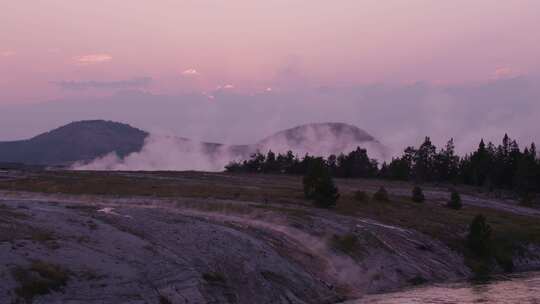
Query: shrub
x,y
361,196
381,195
39,279
418,195
455,201
319,185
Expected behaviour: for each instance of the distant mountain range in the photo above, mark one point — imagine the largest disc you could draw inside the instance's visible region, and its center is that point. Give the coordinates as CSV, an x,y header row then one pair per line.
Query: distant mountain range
x,y
85,141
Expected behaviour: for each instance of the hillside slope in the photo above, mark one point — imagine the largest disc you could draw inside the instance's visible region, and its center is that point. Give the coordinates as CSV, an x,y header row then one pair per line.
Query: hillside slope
x,y
84,140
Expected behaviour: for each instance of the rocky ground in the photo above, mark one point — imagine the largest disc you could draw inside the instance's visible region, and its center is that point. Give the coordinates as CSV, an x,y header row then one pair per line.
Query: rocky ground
x,y
83,247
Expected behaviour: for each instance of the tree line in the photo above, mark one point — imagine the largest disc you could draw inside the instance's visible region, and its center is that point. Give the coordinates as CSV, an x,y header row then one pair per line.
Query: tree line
x,y
505,166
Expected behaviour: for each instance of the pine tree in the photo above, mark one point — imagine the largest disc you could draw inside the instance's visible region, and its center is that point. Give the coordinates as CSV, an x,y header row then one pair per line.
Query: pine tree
x,y
319,186
270,165
455,201
479,237
480,164
446,163
525,175
424,160
418,195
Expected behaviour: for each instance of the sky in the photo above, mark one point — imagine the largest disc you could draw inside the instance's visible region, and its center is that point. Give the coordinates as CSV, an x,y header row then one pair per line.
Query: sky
x,y
233,70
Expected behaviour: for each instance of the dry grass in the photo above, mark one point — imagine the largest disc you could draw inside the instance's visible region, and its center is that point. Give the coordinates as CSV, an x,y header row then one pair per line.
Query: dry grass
x,y
164,184
429,218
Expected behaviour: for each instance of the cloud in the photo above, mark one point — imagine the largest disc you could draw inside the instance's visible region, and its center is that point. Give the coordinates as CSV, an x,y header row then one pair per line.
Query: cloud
x,y
190,72
225,87
92,59
104,85
504,72
209,96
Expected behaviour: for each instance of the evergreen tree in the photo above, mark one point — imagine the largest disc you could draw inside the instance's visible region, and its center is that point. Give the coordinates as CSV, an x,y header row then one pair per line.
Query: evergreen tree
x,y
401,168
501,167
418,195
332,164
355,164
479,237
455,201
318,184
271,165
424,160
525,177
481,165
256,163
446,163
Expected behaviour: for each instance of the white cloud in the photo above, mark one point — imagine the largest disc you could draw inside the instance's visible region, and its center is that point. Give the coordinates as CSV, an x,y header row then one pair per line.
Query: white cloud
x,y
92,59
225,87
107,85
191,72
209,96
504,72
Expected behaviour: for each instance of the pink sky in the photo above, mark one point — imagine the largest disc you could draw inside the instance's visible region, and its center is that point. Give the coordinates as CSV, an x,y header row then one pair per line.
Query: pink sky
x,y
247,45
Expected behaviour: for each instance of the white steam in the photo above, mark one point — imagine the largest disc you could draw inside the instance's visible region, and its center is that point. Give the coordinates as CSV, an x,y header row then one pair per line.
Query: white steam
x,y
162,152
322,140
165,152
